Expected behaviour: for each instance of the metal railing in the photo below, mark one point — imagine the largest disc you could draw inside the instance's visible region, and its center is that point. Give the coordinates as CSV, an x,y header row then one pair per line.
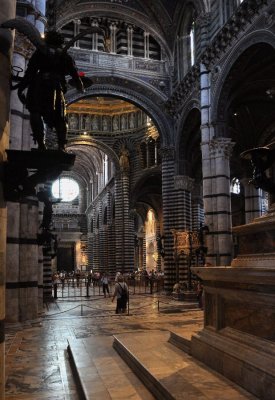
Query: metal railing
x,y
83,287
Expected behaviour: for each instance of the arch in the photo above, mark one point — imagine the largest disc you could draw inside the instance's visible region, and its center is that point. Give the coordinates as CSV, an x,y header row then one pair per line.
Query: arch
x,y
150,102
202,6
188,142
193,104
116,11
242,109
185,50
259,37
84,141
146,193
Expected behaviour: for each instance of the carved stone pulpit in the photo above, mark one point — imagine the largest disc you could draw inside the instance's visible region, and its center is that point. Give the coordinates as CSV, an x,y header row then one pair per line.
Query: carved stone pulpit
x,y
186,242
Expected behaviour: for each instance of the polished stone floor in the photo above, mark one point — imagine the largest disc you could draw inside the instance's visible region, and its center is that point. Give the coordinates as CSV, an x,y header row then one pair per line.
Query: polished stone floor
x,y
37,362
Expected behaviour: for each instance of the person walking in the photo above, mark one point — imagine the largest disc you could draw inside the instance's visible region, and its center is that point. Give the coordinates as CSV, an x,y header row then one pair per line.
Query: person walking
x,y
122,294
105,284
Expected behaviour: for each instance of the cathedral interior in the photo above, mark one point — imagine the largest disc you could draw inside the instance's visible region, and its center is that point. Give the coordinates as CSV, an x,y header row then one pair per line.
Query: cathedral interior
x,y
171,169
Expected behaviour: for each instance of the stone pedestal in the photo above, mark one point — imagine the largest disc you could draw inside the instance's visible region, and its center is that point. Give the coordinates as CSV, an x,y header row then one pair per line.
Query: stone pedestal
x,y
238,339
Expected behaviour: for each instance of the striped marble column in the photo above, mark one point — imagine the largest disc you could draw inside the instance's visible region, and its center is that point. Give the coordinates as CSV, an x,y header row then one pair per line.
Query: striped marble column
x,y
40,279
252,197
217,201
158,235
183,215
47,260
169,219
109,238
22,257
124,225
207,133
112,249
143,251
216,180
96,258
7,11
197,207
91,251
22,249
47,277
101,238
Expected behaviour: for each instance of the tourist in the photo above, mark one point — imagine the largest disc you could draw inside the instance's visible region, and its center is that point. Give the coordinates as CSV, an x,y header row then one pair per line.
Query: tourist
x,y
105,284
122,294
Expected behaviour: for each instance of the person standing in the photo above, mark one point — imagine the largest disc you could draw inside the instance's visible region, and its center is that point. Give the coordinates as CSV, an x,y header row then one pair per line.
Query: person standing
x,y
122,294
105,284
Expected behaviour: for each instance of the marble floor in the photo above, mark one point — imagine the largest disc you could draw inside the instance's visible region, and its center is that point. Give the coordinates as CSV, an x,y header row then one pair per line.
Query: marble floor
x,y
37,361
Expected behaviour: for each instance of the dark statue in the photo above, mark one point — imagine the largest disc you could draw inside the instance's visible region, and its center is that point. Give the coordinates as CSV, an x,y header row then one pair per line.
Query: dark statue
x,y
46,238
201,251
44,197
45,80
261,159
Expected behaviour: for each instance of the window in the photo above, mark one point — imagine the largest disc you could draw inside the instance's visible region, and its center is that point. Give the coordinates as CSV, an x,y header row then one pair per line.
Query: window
x,y
66,189
235,186
192,43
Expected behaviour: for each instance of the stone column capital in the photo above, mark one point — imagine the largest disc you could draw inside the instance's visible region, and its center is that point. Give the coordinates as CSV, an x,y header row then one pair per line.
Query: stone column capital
x,y
167,152
221,147
184,182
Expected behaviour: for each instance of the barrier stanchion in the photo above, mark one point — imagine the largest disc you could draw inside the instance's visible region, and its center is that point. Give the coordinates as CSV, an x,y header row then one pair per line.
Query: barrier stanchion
x,y
55,290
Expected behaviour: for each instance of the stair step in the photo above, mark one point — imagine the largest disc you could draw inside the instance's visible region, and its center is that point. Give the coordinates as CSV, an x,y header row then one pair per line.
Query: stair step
x,y
171,374
101,372
183,343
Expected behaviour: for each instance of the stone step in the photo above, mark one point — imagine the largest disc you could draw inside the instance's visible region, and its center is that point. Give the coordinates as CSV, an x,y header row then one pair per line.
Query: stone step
x,y
171,374
101,373
180,341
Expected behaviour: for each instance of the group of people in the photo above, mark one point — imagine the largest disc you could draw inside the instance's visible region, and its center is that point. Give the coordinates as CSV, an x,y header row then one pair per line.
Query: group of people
x,y
121,290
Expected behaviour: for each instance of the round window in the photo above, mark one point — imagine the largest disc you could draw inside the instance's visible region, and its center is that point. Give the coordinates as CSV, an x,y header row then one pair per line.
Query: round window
x,y
65,189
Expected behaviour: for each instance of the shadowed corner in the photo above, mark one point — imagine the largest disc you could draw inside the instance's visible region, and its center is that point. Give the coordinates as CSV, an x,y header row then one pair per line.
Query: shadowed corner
x,y
6,38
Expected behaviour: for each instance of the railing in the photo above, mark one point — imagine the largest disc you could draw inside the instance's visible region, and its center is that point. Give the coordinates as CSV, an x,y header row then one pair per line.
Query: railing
x,y
101,60
159,305
85,287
